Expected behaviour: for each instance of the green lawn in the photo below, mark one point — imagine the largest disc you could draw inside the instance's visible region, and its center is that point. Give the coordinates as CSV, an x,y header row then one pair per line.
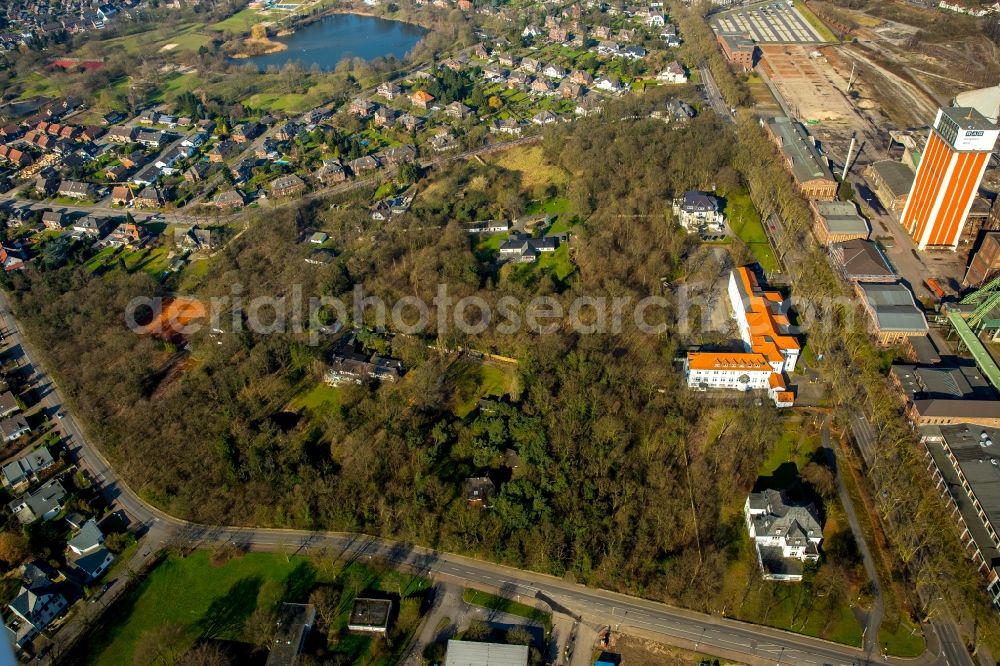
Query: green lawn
x,y
473,381
553,206
745,222
491,243
207,601
492,601
238,22
319,397
901,638
558,262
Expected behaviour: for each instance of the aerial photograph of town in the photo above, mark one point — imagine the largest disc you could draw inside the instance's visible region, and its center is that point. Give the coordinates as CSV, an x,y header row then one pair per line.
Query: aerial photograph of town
x,y
500,332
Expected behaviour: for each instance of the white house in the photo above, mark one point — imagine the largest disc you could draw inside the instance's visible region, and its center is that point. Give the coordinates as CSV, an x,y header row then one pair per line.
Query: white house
x,y
736,371
784,534
86,551
674,73
698,211
554,72
608,85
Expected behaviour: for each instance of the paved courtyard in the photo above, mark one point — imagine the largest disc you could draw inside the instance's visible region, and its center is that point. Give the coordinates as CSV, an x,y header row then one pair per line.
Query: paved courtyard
x,y
769,23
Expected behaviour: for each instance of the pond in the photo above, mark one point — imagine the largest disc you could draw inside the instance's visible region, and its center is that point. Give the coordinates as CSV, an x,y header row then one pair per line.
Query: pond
x,y
332,38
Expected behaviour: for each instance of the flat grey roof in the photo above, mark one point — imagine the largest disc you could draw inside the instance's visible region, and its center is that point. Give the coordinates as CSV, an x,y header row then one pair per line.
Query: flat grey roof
x,y
936,382
976,450
894,307
897,176
370,613
966,117
467,653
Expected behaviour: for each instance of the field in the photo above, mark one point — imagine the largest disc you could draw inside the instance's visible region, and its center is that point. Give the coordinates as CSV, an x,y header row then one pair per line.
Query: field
x,y
214,601
745,222
472,382
535,172
238,22
320,397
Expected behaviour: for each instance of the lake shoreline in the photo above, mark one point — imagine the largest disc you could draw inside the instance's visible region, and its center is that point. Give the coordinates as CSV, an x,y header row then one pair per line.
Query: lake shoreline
x,y
326,39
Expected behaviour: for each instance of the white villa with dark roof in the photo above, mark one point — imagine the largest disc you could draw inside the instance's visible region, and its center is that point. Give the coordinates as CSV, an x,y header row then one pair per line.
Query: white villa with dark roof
x,y
784,534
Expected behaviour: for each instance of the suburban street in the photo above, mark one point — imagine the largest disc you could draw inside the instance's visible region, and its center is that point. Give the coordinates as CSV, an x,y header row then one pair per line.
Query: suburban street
x,y
687,629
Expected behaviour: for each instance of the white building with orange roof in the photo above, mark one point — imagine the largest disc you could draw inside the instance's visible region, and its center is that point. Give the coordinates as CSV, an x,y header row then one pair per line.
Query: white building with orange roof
x,y
762,319
736,371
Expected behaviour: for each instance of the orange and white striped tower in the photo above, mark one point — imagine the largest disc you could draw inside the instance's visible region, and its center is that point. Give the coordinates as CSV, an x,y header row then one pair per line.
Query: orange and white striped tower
x,y
951,168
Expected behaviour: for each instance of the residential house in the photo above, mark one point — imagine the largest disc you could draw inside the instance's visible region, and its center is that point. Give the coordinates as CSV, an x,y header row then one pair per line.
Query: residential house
x,y
673,73
410,122
892,311
609,85
92,225
116,173
331,172
558,35
363,164
588,105
195,238
388,90
544,118
122,134
229,200
286,132
147,175
443,140
457,110
385,116
194,140
150,138
399,155
489,227
554,72
206,126
569,90
581,77
26,469
13,427
361,107
349,365
421,99
196,172
505,126
74,189
37,604
121,195
44,503
518,80
523,248
632,52
222,151
699,212
85,552
508,60
541,86
267,150
480,51
530,66
149,197
479,491
246,132
320,257
784,533
52,220
287,186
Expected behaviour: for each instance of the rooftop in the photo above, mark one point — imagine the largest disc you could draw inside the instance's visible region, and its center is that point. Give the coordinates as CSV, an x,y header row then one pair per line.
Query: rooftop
x,y
294,622
975,455
467,653
967,118
862,259
798,147
370,614
728,361
937,382
897,176
894,307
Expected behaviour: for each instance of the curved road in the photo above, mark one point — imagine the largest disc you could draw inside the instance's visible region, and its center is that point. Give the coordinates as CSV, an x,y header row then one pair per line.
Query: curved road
x,y
719,636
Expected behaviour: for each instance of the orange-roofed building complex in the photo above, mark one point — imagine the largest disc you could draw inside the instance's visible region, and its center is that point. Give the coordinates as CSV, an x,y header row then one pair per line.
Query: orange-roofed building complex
x,y
762,318
769,350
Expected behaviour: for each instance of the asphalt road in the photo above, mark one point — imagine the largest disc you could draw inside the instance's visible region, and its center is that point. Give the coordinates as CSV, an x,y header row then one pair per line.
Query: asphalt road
x,y
714,95
706,633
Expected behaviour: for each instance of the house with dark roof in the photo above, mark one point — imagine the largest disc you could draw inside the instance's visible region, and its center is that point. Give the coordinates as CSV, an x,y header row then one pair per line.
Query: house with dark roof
x,y
229,199
699,212
524,249
37,604
294,623
287,186
74,189
784,533
479,491
44,503
8,404
26,468
14,427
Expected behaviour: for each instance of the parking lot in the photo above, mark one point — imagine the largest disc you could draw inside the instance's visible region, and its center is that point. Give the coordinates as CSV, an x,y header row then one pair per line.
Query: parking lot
x,y
769,23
